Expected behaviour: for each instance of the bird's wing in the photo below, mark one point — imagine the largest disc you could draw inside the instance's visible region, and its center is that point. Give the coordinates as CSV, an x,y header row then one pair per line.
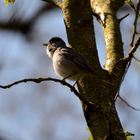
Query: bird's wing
x,y
76,58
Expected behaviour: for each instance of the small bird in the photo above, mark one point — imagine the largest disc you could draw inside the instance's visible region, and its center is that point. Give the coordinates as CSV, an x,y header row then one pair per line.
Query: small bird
x,y
67,63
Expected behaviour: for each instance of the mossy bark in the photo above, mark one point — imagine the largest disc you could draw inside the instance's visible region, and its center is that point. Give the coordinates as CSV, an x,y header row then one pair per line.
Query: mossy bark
x,y
101,87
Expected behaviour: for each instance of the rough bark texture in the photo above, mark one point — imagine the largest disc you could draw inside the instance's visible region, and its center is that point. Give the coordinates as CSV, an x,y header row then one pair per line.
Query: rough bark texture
x,y
101,87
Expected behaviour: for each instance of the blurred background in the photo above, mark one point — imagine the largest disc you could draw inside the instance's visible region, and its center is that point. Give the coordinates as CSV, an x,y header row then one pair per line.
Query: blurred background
x,y
50,111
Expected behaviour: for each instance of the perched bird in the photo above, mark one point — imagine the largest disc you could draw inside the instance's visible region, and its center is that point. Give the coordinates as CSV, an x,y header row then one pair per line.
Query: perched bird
x,y
67,63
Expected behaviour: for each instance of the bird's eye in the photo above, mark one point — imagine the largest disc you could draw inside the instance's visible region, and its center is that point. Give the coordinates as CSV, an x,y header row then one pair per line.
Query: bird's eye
x,y
50,49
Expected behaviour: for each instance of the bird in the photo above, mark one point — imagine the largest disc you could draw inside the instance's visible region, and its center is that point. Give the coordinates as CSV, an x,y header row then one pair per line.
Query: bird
x,y
67,62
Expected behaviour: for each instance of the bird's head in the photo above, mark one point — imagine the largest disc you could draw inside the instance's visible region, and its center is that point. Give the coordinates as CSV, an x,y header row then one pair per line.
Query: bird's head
x,y
53,44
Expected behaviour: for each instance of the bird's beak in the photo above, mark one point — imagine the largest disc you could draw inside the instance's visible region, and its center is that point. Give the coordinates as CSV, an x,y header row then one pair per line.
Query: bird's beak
x,y
45,44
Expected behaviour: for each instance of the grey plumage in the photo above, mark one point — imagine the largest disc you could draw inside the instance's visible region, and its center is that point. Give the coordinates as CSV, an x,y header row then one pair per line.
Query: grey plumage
x,y
66,61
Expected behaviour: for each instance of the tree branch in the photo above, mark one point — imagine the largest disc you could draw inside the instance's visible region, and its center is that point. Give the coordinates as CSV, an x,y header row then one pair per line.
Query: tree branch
x,y
111,27
132,51
138,60
54,2
136,10
124,101
122,18
39,80
16,23
127,62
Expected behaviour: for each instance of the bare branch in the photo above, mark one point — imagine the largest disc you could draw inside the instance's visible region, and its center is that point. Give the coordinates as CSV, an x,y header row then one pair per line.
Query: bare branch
x,y
136,10
128,58
127,63
54,2
133,50
132,5
136,59
39,80
16,23
117,95
126,69
124,101
130,55
122,18
97,16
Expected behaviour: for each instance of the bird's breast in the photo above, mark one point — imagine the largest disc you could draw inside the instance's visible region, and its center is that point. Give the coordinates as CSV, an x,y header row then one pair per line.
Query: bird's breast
x,y
64,67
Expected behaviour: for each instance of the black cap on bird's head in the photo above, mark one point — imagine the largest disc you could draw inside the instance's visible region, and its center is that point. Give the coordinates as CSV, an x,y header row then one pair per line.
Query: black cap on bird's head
x,y
57,41
53,44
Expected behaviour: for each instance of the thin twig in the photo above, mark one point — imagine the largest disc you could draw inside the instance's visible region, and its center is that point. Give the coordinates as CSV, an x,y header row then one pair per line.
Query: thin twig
x,y
97,16
133,50
117,95
136,10
136,59
39,80
126,69
123,100
128,58
134,47
54,2
127,61
16,23
130,55
122,18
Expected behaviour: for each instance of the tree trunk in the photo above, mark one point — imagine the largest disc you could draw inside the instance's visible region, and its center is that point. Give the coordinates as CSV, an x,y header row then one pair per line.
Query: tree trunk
x,y
100,88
